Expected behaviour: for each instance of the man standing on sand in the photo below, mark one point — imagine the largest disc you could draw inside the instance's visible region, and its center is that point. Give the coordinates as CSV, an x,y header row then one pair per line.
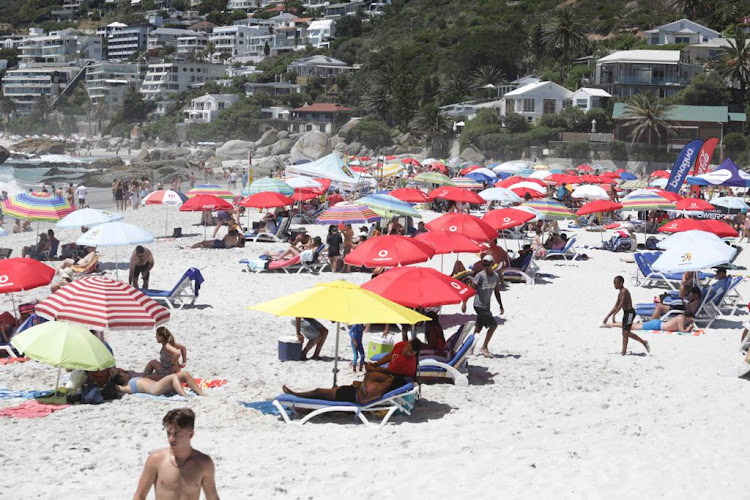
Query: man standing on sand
x,y
486,283
141,264
178,471
81,195
625,303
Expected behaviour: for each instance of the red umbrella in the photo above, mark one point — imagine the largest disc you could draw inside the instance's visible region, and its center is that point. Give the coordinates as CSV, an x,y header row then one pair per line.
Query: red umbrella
x,y
390,157
515,179
470,169
359,169
411,195
693,204
523,191
568,179
584,168
205,203
506,218
439,167
598,206
662,174
304,195
669,195
411,161
593,179
444,242
19,274
390,251
419,287
468,225
266,200
453,193
719,228
364,158
620,171
101,302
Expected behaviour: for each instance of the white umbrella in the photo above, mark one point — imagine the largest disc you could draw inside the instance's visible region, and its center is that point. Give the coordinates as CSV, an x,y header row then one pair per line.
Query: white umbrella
x,y
299,182
115,234
484,171
540,174
88,217
730,202
512,166
688,238
694,256
660,183
528,185
504,196
430,161
590,192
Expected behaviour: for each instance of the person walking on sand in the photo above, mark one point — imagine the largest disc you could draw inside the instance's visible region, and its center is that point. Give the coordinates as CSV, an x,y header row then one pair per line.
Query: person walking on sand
x,y
486,283
625,302
178,471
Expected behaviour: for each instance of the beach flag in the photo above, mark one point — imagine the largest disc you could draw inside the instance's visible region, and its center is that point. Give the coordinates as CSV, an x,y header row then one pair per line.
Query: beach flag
x,y
683,165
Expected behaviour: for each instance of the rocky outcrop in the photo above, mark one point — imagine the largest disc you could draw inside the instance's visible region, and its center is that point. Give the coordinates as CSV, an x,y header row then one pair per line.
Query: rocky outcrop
x,y
267,166
4,155
347,127
235,150
142,156
311,146
39,147
471,155
169,153
282,147
269,137
109,163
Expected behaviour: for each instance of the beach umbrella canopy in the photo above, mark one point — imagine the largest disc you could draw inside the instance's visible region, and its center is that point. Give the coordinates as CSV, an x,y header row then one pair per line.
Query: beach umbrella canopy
x,y
99,302
266,200
502,195
730,203
411,161
389,251
534,190
419,287
693,205
667,195
270,185
515,179
694,256
634,184
590,192
470,226
303,195
411,195
19,274
342,302
36,207
433,178
598,206
343,213
296,182
482,170
720,229
87,217
593,179
512,166
444,242
392,169
549,209
64,345
211,190
687,238
541,175
659,182
646,202
165,197
467,183
507,218
205,203
115,234
479,177
541,166
388,206
584,168
627,176
456,194
659,174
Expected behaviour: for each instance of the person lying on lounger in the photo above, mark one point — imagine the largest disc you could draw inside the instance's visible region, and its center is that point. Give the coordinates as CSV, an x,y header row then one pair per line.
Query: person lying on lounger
x,y
694,301
230,240
168,385
302,242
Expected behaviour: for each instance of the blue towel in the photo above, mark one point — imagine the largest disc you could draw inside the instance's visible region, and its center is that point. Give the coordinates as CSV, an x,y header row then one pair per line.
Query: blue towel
x,y
9,394
265,407
195,275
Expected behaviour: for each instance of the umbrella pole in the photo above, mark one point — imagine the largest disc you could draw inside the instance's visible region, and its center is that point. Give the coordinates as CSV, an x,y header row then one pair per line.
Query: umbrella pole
x,y
57,382
166,224
13,300
336,355
117,271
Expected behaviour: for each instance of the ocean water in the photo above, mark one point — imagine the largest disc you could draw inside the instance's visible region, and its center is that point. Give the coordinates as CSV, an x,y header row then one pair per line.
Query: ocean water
x,y
19,175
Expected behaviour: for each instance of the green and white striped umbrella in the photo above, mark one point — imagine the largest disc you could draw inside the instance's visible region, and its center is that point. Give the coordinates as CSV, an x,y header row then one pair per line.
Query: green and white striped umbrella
x,y
386,205
270,185
434,178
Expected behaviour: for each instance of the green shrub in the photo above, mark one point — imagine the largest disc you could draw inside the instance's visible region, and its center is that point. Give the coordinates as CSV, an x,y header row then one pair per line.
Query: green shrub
x,y
372,132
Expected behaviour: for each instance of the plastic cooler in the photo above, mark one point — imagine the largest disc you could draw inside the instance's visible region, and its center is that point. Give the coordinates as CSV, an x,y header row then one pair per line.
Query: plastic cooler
x,y
290,349
379,345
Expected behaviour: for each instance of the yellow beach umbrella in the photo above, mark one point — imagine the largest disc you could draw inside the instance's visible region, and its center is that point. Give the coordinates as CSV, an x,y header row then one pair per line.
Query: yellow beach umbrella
x,y
64,345
342,302
541,167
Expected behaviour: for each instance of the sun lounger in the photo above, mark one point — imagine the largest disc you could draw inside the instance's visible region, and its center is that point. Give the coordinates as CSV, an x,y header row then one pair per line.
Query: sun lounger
x,y
454,368
568,252
184,292
280,236
399,399
92,268
288,266
51,253
525,272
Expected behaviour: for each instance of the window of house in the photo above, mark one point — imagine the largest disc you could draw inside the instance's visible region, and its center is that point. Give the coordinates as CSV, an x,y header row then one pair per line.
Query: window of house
x,y
549,106
581,103
567,103
528,105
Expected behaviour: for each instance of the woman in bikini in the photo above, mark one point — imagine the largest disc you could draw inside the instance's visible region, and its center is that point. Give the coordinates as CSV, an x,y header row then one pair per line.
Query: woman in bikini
x,y
169,356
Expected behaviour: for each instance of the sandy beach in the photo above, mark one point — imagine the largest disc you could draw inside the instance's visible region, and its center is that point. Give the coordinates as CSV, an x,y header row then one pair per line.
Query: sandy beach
x,y
558,413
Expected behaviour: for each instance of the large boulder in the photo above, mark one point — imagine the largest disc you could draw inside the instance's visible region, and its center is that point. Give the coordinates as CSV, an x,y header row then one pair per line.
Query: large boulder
x,y
114,162
354,148
4,155
282,134
267,166
347,127
39,147
268,138
142,156
472,156
282,147
311,146
170,153
235,150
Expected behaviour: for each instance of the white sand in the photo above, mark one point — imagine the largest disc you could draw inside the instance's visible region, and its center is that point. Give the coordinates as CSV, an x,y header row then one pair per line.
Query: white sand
x,y
557,414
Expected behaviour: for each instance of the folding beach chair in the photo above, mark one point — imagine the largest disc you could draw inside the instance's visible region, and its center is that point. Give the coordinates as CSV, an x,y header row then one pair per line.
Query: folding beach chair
x,y
526,272
280,236
454,368
568,252
183,293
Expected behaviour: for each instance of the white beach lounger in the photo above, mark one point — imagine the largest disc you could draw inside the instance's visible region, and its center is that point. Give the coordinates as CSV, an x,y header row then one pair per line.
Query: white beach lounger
x,y
455,368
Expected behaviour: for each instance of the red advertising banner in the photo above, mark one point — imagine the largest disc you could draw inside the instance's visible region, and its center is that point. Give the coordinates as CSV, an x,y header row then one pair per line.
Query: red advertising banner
x,y
703,160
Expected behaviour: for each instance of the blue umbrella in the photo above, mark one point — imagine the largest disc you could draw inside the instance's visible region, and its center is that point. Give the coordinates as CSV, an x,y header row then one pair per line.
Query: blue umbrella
x,y
480,177
627,176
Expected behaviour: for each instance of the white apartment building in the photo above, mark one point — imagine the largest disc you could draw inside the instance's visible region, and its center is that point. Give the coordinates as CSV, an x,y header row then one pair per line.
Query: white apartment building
x,y
205,108
163,79
105,31
107,82
56,48
23,86
246,5
162,38
192,45
682,31
319,33
124,42
239,41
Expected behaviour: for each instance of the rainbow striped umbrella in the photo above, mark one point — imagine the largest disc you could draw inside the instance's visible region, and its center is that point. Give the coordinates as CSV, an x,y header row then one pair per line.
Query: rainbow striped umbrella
x,y
467,183
348,214
270,185
210,189
549,209
37,206
646,202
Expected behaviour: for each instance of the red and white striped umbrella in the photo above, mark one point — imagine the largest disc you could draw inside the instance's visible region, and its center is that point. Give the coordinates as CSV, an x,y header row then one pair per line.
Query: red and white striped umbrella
x,y
100,303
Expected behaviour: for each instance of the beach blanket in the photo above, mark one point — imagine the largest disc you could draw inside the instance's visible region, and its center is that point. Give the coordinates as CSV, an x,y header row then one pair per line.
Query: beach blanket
x,y
694,333
31,409
8,394
7,361
265,407
174,397
209,383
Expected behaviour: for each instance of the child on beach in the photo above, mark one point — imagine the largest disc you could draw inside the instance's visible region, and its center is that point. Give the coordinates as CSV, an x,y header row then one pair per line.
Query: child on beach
x,y
625,303
358,349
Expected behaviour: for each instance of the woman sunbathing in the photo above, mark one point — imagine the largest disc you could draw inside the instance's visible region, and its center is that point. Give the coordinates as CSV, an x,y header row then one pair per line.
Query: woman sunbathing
x,y
230,240
301,243
168,385
169,356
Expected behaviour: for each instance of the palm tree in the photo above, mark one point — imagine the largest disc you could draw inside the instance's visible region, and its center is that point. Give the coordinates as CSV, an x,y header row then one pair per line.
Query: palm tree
x,y
487,75
646,114
100,112
733,61
566,34
42,107
434,124
690,8
7,107
456,83
378,100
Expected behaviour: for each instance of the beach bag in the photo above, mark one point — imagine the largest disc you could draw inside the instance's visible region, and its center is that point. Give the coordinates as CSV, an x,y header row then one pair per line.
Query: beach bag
x,y
177,232
651,242
91,395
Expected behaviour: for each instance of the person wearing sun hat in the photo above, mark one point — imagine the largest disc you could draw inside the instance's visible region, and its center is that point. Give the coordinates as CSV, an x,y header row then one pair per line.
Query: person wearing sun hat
x,y
66,277
486,282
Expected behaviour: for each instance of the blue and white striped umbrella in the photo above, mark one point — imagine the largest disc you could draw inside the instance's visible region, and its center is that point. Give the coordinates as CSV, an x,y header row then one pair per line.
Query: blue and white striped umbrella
x,y
386,205
270,185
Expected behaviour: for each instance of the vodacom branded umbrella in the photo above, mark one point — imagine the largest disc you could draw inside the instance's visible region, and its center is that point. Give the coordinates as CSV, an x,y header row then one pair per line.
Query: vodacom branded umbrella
x,y
457,194
444,242
693,205
100,302
599,206
507,218
390,251
419,287
719,228
411,195
19,274
468,225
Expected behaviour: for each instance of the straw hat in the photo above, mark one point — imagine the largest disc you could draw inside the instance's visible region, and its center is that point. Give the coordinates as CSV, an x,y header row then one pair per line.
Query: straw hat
x,y
67,273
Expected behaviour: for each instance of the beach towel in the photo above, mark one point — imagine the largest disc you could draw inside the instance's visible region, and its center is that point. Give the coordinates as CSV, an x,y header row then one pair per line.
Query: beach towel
x,y
7,361
694,333
31,409
209,383
175,397
265,407
9,394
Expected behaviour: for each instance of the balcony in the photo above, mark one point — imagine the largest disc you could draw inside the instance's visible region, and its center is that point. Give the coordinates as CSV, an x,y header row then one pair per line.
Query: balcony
x,y
639,80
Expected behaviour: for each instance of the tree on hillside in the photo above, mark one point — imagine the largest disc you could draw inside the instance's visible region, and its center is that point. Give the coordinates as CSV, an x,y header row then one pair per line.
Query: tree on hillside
x,y
707,89
455,86
733,61
100,112
378,100
42,107
565,34
691,8
434,125
645,116
487,75
133,107
7,107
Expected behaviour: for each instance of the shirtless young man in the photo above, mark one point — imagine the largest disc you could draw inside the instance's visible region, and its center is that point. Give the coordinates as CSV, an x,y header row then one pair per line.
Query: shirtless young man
x,y
625,302
178,472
